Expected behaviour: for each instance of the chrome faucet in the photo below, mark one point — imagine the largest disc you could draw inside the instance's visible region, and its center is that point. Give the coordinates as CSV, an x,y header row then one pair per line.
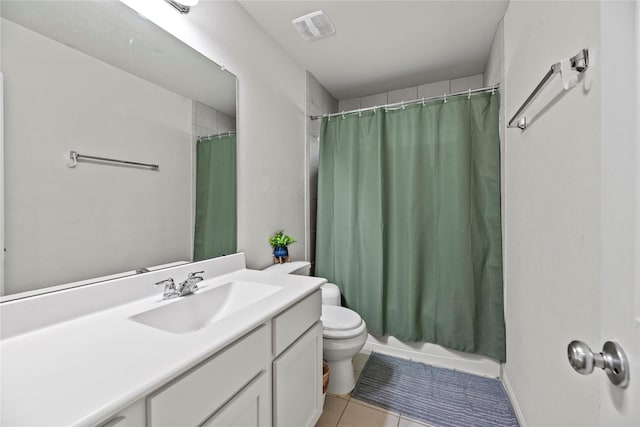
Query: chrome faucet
x,y
170,290
189,286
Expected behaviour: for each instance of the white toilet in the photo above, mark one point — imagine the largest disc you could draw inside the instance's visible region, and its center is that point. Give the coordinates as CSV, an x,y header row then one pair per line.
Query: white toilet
x,y
344,331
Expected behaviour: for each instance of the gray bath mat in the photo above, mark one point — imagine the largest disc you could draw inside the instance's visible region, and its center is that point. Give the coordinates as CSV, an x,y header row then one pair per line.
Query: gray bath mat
x,y
437,396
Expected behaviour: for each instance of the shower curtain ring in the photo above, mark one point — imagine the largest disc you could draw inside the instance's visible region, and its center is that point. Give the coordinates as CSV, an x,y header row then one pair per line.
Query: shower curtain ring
x,y
343,117
423,101
445,97
469,95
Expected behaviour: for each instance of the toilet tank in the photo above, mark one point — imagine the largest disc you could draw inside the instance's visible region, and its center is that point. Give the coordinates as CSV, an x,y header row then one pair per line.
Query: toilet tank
x,y
301,268
330,294
330,291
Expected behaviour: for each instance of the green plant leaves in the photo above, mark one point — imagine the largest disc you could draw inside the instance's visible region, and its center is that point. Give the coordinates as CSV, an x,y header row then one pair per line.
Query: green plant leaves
x,y
281,240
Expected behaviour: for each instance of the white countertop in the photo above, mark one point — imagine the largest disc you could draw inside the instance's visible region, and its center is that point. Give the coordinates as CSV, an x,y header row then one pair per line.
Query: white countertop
x,y
86,369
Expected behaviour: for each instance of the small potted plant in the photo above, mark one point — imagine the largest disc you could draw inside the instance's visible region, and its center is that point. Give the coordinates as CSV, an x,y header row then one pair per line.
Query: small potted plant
x,y
279,243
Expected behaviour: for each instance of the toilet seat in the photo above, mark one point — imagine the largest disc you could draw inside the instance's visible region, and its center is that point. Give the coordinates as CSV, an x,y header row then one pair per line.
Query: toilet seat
x,y
343,335
341,323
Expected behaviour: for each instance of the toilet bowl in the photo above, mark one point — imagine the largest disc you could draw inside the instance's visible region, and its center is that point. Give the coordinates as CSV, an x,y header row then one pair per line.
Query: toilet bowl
x,y
344,332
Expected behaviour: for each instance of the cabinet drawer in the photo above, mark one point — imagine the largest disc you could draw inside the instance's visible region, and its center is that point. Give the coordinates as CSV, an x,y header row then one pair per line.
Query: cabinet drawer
x,y
192,398
294,321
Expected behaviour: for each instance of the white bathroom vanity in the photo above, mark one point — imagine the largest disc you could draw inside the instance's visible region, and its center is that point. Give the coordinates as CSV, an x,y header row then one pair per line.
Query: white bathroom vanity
x,y
244,349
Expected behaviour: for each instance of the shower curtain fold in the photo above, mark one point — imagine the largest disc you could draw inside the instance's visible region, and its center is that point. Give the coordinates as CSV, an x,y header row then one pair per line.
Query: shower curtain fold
x,y
409,221
215,219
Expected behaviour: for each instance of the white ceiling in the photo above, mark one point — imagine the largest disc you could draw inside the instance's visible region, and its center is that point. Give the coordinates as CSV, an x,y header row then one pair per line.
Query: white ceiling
x,y
385,45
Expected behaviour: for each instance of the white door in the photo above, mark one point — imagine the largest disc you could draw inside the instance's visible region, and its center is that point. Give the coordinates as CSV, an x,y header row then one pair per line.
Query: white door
x,y
620,278
1,185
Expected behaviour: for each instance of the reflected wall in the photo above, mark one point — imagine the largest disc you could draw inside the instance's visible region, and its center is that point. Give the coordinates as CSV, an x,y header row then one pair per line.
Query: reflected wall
x,y
70,224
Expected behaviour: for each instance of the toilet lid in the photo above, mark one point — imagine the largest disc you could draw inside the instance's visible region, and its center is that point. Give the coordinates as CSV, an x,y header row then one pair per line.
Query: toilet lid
x,y
336,318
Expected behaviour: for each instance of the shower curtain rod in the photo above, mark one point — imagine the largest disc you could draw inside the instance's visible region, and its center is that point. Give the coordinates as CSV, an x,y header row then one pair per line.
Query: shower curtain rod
x,y
217,135
402,104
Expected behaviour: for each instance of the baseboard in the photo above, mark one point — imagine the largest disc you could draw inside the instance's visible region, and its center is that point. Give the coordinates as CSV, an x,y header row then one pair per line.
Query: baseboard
x,y
512,397
435,355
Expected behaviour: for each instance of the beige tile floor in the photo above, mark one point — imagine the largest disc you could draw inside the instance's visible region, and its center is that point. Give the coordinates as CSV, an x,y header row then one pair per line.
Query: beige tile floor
x,y
345,411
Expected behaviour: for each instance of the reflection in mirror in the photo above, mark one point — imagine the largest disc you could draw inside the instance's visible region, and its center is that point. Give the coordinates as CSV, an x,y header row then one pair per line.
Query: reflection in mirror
x,y
98,79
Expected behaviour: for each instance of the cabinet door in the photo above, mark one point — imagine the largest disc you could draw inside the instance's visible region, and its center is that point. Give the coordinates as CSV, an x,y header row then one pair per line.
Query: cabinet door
x,y
248,408
297,381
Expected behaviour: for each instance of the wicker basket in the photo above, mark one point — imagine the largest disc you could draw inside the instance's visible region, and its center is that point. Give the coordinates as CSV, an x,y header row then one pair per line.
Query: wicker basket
x,y
325,376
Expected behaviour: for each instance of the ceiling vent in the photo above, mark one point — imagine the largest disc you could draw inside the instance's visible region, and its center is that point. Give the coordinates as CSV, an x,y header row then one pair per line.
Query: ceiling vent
x,y
314,26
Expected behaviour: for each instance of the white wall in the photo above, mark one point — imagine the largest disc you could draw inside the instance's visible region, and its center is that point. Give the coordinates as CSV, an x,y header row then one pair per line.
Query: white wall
x,y
319,101
55,106
414,92
270,119
494,69
551,218
209,121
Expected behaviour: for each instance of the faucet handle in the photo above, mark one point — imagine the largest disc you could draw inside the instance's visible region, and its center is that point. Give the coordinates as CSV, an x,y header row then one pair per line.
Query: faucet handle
x,y
189,286
166,282
193,276
169,288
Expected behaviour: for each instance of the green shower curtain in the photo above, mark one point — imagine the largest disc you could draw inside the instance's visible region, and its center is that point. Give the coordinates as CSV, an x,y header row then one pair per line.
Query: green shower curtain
x,y
215,222
408,221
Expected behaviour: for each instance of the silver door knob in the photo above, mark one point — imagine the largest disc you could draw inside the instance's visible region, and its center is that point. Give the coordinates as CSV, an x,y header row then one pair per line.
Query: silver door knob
x,y
612,360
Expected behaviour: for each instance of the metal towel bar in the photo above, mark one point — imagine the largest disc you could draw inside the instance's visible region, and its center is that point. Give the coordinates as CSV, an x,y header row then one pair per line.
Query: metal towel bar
x,y
75,156
579,62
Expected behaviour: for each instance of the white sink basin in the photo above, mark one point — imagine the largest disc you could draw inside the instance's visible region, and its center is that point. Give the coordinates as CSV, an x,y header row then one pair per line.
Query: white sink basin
x,y
195,311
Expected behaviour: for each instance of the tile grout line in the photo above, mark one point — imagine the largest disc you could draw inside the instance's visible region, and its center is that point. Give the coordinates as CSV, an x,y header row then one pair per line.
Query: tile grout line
x,y
373,408
343,411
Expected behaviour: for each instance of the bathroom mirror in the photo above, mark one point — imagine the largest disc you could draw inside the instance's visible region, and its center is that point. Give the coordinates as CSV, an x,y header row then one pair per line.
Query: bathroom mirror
x,y
99,79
